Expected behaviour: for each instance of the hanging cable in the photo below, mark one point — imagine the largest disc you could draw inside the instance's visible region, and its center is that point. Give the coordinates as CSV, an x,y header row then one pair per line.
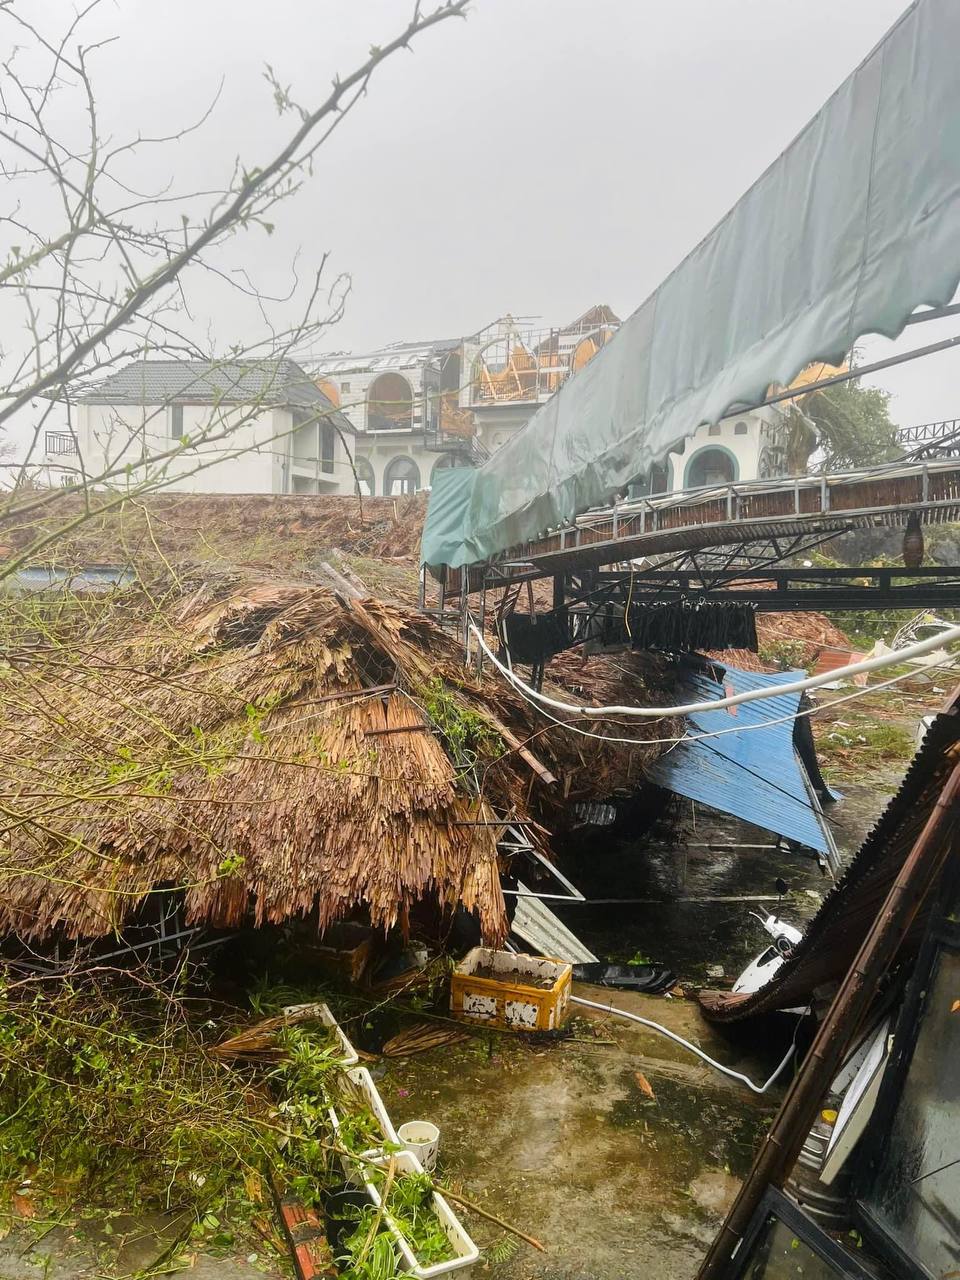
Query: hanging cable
x,y
751,695
718,733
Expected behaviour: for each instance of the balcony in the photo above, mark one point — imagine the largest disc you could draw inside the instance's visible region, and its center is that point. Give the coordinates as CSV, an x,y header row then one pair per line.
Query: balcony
x,y
512,365
59,444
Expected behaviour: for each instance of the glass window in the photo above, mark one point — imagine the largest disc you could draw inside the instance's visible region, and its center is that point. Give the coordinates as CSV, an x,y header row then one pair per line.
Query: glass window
x,y
915,1196
782,1243
740,429
327,446
780,1254
715,430
176,421
710,466
401,476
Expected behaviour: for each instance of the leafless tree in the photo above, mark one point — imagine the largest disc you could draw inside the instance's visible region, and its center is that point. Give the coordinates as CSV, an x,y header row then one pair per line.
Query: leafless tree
x,y
96,271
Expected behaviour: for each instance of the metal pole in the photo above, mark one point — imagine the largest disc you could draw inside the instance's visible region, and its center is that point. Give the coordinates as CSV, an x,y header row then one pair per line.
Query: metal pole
x,y
796,392
857,991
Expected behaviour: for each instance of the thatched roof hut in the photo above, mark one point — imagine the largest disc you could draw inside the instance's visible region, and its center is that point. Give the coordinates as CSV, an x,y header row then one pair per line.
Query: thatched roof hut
x,y
274,750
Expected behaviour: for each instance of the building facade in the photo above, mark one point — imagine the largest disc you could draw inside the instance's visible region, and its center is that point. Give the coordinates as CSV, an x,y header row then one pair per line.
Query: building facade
x,y
384,421
205,427
417,407
746,446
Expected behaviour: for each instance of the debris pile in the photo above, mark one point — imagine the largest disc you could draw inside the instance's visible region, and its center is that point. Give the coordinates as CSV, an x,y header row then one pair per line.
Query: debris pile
x,y
277,751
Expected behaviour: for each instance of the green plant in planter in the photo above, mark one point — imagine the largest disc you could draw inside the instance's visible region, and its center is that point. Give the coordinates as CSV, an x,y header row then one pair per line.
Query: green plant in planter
x,y
368,1259
410,1205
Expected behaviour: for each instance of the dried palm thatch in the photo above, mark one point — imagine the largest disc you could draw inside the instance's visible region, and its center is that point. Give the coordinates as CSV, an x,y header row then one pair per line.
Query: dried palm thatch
x,y
272,751
261,748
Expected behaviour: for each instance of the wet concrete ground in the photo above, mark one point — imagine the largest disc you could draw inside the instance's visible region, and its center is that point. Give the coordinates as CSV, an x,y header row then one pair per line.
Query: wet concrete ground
x,y
565,1143
562,1139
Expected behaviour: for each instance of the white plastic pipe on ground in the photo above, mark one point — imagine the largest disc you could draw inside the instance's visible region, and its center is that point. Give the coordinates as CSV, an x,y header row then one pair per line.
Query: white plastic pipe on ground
x,y
705,1057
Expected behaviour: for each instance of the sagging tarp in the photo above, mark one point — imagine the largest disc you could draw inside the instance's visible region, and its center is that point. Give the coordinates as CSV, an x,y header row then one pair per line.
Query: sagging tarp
x,y
855,225
750,768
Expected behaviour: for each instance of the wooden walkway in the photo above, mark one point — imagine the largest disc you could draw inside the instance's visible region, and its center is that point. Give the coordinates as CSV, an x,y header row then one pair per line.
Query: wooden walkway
x,y
726,515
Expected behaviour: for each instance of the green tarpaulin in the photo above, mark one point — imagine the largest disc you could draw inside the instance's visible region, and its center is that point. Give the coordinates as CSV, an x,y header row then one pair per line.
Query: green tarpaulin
x,y
847,232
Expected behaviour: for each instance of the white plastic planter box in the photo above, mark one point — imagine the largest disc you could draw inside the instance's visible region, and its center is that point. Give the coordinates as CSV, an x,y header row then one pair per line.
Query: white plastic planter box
x,y
362,1077
322,1013
466,1251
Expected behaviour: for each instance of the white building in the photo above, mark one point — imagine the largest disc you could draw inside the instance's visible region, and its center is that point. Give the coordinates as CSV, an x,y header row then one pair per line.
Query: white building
x,y
417,407
404,412
206,427
745,446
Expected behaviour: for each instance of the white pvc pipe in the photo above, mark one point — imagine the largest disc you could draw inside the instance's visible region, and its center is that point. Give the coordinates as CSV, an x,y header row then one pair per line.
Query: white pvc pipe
x,y
717,1066
751,695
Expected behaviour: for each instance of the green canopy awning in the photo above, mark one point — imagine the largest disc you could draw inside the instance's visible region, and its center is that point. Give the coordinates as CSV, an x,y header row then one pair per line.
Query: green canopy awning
x,y
855,225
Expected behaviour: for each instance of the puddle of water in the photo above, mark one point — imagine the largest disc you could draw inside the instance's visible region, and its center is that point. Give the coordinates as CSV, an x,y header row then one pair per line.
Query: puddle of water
x,y
690,1129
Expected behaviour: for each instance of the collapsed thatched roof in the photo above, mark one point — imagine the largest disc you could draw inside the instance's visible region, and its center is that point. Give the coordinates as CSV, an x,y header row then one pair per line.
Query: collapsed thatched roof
x,y
274,750
216,750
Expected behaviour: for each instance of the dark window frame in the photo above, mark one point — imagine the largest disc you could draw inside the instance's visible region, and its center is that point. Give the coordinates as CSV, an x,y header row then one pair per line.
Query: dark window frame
x,y
328,447
942,934
776,1204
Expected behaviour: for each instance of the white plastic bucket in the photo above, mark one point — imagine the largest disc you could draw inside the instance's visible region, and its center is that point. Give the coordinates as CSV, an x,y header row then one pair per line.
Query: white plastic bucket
x,y
423,1139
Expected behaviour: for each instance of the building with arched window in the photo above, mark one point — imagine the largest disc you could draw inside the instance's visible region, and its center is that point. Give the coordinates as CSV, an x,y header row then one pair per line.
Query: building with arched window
x,y
400,476
745,446
457,400
389,403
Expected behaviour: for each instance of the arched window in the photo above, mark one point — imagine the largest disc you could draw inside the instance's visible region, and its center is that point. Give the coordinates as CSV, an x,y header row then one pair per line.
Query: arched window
x,y
740,429
365,476
389,403
401,476
710,466
715,429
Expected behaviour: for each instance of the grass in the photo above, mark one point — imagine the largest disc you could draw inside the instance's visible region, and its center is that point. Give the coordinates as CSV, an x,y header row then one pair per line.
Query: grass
x,y
865,739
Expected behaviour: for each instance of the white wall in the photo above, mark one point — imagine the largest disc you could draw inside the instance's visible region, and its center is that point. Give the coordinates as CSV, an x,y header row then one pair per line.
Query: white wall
x,y
249,450
353,387
744,446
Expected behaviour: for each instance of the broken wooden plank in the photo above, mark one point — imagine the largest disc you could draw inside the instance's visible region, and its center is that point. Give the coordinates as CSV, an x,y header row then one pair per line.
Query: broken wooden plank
x,y
512,741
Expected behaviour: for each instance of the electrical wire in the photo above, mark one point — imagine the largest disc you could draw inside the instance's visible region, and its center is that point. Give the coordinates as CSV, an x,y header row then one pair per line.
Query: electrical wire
x,y
743,728
705,1057
894,658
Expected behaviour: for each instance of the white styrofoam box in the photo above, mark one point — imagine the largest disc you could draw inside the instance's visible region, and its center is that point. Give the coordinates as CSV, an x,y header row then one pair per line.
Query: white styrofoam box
x,y
466,1251
322,1013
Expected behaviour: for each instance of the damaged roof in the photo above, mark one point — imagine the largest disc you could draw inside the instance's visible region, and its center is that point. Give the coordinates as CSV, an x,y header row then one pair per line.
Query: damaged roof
x,y
272,382
836,933
750,768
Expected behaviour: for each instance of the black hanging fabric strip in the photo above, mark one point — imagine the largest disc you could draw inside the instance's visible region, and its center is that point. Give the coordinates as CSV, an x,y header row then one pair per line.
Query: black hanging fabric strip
x,y
679,627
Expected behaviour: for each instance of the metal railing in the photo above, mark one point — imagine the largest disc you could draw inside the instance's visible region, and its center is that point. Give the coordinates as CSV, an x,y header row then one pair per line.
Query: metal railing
x,y
60,443
928,431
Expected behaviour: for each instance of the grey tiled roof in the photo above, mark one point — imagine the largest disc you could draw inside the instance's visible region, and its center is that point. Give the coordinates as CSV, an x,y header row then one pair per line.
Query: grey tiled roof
x,y
154,382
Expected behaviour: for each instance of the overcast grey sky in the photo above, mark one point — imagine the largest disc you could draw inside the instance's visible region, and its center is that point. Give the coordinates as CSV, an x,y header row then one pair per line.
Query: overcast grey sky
x,y
540,157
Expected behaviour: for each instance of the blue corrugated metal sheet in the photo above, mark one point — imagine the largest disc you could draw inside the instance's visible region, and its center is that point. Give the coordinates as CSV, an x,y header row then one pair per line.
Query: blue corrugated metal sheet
x,y
754,774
